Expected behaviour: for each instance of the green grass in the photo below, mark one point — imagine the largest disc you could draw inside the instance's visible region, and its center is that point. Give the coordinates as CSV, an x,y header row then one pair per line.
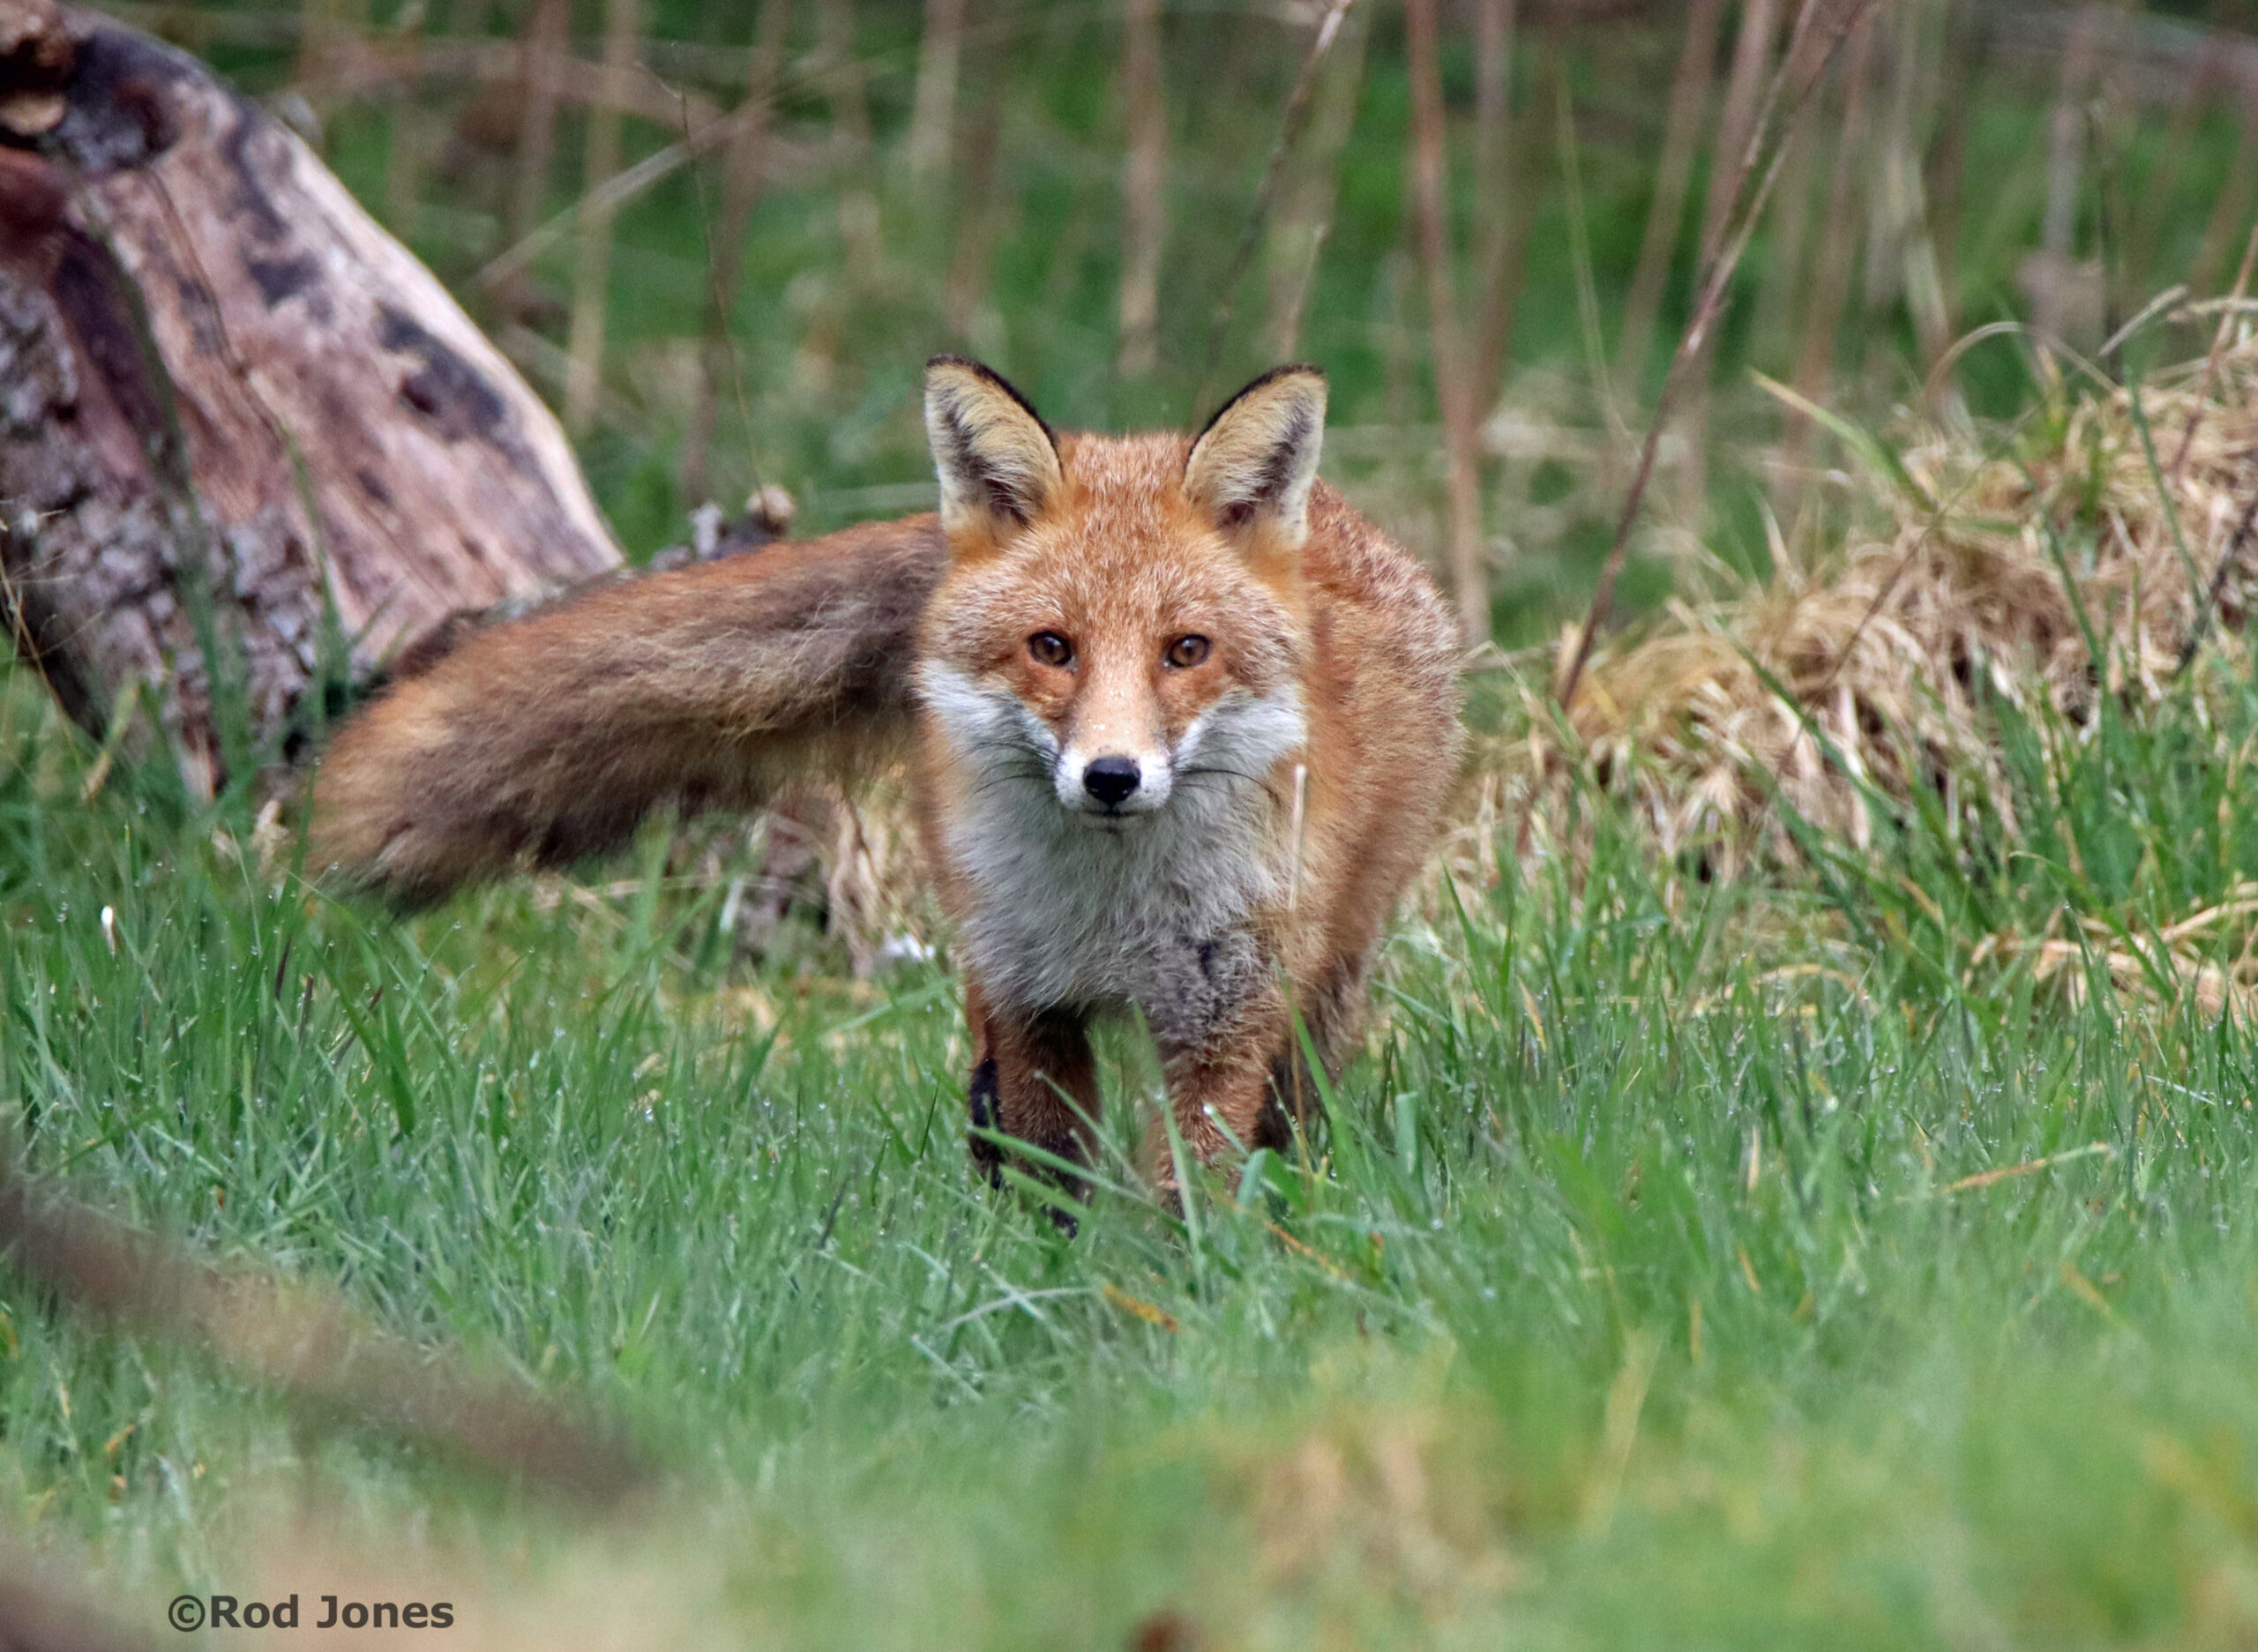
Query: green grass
x,y
1635,1293
1627,1299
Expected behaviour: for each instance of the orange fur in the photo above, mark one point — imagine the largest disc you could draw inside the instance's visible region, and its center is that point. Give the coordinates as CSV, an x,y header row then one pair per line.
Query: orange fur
x,y
547,739
1183,726
1140,541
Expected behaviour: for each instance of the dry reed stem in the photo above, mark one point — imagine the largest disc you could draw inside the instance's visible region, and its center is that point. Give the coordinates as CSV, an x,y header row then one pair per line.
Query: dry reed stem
x,y
1431,189
1737,119
543,74
1776,322
1945,167
1290,125
2030,1167
1144,187
1305,221
2064,163
592,265
741,179
1689,94
2227,315
1497,223
1710,303
932,110
1736,124
1831,279
979,221
1904,252
848,83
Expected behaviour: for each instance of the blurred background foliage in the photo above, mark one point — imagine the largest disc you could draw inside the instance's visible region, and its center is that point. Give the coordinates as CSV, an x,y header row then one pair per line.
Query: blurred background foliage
x,y
1064,190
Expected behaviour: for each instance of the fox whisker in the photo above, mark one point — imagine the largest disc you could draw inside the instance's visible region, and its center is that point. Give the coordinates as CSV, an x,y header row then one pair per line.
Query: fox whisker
x,y
1216,770
999,781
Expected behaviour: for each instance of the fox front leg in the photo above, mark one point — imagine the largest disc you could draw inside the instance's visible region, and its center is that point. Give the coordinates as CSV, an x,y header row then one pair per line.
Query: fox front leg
x,y
1034,1080
1236,1088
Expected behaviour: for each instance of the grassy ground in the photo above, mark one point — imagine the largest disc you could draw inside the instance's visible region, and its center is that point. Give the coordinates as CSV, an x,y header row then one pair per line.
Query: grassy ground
x,y
1774,1264
1654,1283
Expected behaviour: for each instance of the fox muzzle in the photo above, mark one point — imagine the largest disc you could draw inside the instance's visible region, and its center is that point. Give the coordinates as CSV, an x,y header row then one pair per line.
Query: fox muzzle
x,y
1113,785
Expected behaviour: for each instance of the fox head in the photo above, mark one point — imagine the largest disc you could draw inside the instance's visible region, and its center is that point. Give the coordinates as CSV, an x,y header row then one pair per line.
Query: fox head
x,y
1121,622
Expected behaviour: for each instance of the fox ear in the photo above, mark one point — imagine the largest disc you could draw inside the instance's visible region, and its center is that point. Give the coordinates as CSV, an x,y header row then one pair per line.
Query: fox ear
x,y
1257,460
998,463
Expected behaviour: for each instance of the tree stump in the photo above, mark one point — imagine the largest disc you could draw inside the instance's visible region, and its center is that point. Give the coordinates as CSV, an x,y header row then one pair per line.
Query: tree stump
x,y
236,418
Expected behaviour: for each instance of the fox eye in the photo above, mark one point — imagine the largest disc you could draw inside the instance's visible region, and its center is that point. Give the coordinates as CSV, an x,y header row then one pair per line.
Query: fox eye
x,y
1052,649
1187,652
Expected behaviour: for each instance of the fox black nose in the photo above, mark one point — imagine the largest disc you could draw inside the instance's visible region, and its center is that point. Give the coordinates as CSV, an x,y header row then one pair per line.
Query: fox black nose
x,y
1111,778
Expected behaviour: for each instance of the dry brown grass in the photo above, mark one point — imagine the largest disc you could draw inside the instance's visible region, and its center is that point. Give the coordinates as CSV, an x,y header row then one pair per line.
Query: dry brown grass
x,y
1862,674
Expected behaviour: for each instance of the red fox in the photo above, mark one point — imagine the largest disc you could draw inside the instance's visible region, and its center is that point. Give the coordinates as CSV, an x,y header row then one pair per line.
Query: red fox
x,y
1182,726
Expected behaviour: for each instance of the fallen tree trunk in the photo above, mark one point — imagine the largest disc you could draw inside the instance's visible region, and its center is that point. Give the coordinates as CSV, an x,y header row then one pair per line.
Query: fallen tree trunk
x,y
236,418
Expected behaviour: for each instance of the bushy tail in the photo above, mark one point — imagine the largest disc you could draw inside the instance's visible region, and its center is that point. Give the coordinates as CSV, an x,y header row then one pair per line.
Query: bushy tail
x,y
549,738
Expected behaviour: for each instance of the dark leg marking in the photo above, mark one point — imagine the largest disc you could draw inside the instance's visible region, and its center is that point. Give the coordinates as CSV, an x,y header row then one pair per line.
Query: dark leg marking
x,y
986,1104
1290,1097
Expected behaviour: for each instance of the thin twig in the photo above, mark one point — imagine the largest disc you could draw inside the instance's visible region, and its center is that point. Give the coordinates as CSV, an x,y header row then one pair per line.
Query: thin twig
x,y
1289,131
655,169
2218,348
741,182
305,1342
1453,387
1689,94
42,1611
1710,303
2235,545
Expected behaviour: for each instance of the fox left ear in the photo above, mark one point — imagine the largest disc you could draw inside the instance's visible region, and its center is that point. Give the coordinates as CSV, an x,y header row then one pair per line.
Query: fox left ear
x,y
1254,464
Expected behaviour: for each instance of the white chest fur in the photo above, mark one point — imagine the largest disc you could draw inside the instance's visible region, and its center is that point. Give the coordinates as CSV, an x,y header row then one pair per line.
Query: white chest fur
x,y
1152,910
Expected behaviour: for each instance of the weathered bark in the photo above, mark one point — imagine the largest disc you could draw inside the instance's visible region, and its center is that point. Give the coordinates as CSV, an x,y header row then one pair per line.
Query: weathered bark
x,y
235,416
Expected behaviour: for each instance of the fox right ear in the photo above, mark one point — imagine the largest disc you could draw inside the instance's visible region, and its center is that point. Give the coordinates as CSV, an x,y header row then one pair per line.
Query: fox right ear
x,y
998,463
